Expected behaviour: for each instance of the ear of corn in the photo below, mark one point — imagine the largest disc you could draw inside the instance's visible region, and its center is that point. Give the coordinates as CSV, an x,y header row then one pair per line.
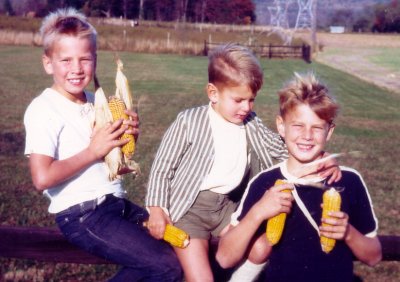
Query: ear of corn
x,y
118,160
331,202
103,116
175,236
276,224
117,108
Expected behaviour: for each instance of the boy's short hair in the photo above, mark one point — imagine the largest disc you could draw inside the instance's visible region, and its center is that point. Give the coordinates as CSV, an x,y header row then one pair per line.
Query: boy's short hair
x,y
65,22
308,90
234,65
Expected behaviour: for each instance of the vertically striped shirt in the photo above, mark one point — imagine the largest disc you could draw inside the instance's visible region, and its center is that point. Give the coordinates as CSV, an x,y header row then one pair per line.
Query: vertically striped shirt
x,y
186,155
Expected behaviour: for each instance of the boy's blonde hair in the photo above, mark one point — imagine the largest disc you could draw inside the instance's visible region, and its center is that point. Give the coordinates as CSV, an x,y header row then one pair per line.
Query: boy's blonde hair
x,y
234,65
308,90
66,22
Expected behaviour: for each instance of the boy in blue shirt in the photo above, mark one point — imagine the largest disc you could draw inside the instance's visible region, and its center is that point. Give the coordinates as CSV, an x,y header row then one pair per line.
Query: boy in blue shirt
x,y
307,112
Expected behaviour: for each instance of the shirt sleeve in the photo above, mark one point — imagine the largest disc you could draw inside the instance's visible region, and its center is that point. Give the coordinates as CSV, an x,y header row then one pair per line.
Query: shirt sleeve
x,y
173,145
42,130
361,213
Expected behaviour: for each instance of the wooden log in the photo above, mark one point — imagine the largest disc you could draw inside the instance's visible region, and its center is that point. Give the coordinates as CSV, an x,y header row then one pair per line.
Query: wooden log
x,y
42,244
48,244
390,247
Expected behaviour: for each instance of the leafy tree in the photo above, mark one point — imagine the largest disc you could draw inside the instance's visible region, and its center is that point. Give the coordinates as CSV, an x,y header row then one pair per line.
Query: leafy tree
x,y
229,11
343,17
387,17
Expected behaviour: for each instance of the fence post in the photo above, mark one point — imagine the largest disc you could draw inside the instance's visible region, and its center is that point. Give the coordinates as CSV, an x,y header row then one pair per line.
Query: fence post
x,y
205,50
306,53
270,51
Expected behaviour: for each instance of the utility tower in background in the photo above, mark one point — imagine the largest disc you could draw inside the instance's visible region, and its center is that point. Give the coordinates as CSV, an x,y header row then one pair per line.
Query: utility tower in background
x,y
305,15
278,12
306,18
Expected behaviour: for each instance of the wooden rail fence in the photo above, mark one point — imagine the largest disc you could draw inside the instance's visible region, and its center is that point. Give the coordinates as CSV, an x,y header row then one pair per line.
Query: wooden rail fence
x,y
48,244
272,51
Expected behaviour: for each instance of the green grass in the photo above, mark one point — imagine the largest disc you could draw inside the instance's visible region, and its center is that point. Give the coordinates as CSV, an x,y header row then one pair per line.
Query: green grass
x,y
165,85
388,58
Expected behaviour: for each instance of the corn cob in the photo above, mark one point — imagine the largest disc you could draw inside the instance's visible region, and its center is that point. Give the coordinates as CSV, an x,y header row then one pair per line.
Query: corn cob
x,y
174,236
276,224
331,202
117,108
118,160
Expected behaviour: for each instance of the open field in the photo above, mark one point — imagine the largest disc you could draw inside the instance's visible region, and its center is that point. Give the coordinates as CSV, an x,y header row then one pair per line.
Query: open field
x,y
147,37
372,57
164,85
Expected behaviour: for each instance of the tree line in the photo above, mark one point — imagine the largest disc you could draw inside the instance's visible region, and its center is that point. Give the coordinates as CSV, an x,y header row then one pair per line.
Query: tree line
x,y
381,17
204,11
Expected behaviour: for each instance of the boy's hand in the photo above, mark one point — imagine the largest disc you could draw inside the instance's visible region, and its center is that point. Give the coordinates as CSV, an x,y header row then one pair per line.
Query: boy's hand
x,y
275,201
103,140
330,169
338,226
133,124
157,222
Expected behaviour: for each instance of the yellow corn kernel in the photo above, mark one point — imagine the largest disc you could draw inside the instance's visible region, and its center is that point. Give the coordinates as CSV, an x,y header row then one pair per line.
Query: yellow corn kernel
x,y
331,202
276,224
117,108
176,237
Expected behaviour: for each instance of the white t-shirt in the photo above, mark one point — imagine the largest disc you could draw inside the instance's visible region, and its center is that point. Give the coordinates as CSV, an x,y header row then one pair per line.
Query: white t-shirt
x,y
60,128
230,159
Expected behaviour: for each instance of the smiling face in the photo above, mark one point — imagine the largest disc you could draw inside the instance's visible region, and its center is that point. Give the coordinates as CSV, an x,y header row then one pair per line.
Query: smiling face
x,y
233,103
305,135
72,63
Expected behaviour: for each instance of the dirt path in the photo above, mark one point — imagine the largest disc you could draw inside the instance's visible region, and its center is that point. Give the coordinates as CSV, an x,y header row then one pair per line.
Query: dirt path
x,y
352,52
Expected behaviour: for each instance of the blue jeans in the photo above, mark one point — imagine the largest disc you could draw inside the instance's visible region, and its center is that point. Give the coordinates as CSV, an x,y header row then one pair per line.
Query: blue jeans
x,y
113,230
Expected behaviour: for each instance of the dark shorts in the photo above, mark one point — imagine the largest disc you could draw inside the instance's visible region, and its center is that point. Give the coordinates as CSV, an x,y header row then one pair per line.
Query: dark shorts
x,y
208,216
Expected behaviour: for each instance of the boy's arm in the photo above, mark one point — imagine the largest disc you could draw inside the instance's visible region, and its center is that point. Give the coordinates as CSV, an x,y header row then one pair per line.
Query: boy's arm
x,y
173,146
234,244
366,249
48,172
269,140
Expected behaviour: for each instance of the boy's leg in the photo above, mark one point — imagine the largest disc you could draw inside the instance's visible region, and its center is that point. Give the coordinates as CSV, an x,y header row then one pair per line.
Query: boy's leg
x,y
247,272
114,231
250,270
195,262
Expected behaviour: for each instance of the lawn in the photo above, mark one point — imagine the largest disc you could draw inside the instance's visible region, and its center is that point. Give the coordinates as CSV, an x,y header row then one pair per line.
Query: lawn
x,y
163,85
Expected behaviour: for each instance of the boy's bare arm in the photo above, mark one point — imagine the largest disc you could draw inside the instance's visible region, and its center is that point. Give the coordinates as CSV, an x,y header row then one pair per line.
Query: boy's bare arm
x,y
48,172
234,244
366,249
